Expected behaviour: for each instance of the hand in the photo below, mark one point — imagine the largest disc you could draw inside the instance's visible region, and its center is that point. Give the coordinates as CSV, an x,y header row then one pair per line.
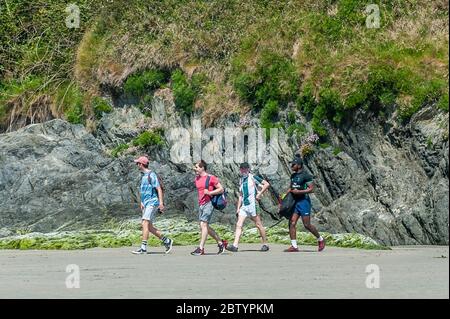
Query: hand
x,y
258,196
161,208
207,192
142,206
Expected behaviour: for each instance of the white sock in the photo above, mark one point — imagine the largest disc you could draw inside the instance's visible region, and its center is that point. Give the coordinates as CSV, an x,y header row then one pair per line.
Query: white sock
x,y
320,238
294,243
144,245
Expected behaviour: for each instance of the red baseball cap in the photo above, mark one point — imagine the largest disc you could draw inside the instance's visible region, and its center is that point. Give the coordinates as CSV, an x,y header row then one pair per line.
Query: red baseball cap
x,y
142,160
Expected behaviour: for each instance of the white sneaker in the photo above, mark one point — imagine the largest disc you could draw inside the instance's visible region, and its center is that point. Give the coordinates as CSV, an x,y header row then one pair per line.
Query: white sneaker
x,y
140,251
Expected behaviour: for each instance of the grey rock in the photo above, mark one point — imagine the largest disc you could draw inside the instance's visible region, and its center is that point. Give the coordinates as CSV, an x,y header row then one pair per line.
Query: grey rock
x,y
390,181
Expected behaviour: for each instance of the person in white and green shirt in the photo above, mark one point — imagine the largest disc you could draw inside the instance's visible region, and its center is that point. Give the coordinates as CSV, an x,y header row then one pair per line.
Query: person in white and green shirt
x,y
251,189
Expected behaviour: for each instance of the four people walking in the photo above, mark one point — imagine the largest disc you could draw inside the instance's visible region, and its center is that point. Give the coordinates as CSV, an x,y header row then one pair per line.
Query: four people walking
x,y
251,189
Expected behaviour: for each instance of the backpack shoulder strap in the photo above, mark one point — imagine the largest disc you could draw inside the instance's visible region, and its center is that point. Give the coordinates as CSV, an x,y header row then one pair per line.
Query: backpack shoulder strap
x,y
208,178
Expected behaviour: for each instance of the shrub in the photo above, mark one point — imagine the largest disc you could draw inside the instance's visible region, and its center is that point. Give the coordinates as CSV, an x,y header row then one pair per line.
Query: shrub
x,y
269,114
274,79
139,84
296,130
306,100
148,138
185,92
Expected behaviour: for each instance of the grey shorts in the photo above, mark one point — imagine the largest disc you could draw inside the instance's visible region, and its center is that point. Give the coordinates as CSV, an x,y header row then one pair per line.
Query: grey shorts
x,y
205,212
150,213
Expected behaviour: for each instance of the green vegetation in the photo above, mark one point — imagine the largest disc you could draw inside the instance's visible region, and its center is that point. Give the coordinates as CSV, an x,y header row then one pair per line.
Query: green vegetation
x,y
149,138
274,79
142,83
318,54
297,130
119,149
337,151
71,99
101,106
183,232
185,91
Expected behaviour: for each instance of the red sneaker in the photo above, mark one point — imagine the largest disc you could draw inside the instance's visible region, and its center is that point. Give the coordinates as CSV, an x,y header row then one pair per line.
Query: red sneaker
x,y
321,245
291,250
222,246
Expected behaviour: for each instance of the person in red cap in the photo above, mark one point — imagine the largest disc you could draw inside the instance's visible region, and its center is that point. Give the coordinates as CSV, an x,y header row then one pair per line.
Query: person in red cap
x,y
151,203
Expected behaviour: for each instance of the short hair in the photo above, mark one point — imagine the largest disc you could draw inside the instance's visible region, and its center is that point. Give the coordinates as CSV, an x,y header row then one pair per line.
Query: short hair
x,y
203,164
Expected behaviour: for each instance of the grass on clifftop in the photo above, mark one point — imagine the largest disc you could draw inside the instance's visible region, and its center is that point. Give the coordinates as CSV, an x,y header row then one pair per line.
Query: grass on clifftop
x,y
180,230
317,54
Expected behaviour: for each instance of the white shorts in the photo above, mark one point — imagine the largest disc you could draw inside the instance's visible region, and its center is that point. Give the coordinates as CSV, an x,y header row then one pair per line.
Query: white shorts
x,y
248,211
149,213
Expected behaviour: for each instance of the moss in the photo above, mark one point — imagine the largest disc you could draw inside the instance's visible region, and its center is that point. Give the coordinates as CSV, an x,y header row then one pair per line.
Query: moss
x,y
180,230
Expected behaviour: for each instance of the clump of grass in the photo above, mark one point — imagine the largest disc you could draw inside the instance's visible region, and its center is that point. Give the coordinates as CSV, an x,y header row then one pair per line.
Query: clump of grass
x,y
71,100
148,138
119,149
100,107
443,103
141,83
337,151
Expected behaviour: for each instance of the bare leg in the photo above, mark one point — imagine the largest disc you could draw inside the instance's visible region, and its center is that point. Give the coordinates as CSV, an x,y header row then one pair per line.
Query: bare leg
x,y
204,234
239,227
262,230
307,223
145,229
213,234
293,227
152,229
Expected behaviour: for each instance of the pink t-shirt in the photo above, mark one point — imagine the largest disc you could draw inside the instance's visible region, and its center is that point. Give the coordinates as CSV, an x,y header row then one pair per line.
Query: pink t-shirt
x,y
200,183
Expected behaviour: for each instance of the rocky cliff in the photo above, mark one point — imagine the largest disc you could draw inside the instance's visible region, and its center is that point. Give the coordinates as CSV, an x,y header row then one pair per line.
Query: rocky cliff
x,y
380,178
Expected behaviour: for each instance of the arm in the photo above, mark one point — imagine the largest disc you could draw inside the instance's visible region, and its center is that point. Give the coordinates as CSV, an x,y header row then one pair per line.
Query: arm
x,y
161,198
265,187
308,190
239,204
219,190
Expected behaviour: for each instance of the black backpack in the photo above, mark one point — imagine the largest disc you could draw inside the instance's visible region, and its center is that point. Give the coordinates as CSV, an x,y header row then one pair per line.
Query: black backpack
x,y
287,206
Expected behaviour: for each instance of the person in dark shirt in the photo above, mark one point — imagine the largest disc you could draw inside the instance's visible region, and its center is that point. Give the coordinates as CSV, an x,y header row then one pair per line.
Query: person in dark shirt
x,y
301,186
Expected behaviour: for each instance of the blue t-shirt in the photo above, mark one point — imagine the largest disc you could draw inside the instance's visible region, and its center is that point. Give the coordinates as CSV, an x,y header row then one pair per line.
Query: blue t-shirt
x,y
149,194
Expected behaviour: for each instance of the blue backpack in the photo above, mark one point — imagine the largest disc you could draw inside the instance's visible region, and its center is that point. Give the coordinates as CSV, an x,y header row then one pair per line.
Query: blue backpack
x,y
218,201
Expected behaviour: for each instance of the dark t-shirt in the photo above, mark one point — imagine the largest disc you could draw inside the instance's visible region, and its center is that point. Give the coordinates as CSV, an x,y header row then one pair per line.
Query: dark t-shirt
x,y
300,181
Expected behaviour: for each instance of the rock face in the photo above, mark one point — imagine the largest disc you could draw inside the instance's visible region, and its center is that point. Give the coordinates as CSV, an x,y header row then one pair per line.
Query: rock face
x,y
389,181
56,176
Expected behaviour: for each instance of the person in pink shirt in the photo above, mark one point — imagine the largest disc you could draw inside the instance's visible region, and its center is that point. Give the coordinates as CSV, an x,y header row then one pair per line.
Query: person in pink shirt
x,y
205,206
